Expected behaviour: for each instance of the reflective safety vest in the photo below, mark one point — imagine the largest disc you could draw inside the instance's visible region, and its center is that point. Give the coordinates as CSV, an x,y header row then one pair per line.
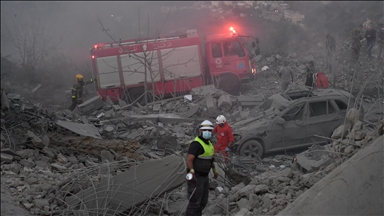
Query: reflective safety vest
x,y
202,164
208,149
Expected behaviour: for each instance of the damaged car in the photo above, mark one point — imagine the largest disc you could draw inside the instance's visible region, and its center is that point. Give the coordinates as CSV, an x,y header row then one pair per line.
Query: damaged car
x,y
292,120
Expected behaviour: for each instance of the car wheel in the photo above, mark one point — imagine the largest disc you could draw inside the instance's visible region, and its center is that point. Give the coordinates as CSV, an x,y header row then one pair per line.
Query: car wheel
x,y
252,148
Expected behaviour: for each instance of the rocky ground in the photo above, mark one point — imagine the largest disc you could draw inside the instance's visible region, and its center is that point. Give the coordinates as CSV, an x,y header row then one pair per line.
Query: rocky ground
x,y
43,153
39,156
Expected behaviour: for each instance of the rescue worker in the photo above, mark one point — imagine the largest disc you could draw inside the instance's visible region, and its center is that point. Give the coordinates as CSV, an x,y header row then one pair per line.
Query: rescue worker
x,y
330,46
286,76
77,91
380,41
310,72
357,35
225,136
370,35
199,163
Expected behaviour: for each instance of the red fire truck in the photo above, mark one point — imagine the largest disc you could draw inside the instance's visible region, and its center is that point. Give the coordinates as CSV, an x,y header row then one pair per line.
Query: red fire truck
x,y
170,65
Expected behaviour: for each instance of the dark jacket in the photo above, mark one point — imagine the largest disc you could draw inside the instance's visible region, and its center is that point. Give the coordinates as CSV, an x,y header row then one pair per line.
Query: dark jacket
x,y
372,33
77,89
356,37
309,78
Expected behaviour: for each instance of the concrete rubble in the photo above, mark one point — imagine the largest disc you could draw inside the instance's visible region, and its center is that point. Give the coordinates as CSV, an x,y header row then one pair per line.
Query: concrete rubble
x,y
48,155
60,148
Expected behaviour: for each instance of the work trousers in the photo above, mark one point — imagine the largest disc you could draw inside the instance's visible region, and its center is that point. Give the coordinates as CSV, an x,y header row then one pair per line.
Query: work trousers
x,y
220,149
75,102
355,51
284,85
329,60
198,195
369,48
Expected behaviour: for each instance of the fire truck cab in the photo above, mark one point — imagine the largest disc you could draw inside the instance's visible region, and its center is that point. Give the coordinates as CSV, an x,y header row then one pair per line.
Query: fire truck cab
x,y
229,63
169,66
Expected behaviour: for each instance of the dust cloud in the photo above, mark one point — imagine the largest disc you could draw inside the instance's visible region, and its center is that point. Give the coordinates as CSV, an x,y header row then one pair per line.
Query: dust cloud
x,y
72,27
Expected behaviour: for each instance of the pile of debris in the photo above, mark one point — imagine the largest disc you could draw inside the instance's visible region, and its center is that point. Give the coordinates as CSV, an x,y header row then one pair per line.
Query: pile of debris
x,y
278,181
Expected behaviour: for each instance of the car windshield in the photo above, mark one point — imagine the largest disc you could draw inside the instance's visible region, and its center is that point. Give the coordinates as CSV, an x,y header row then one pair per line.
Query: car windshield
x,y
297,95
276,102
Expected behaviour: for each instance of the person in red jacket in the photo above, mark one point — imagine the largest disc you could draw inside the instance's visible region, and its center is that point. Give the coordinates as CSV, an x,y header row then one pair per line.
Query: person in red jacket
x,y
224,136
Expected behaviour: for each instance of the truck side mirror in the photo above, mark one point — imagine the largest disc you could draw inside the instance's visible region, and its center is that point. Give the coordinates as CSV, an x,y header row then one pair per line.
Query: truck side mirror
x,y
280,121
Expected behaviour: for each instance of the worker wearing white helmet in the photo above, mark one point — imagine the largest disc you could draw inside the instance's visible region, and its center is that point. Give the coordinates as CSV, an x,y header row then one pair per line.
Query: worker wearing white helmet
x,y
77,91
225,136
199,163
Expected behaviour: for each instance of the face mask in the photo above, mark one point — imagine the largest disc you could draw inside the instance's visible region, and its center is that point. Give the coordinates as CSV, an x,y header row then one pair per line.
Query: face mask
x,y
207,134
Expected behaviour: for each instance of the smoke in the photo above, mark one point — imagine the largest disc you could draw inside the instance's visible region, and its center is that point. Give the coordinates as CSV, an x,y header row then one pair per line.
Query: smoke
x,y
74,28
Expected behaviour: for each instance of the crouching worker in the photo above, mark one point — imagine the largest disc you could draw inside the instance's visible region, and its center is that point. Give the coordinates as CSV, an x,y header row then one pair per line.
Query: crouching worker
x,y
225,136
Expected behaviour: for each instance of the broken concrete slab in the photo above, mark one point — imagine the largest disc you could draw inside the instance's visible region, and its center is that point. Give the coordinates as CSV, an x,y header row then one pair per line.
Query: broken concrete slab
x,y
6,158
91,105
164,118
193,109
122,103
167,143
156,107
363,172
13,96
35,140
82,129
224,102
208,89
210,103
58,167
108,100
176,208
133,187
107,155
315,158
246,101
9,151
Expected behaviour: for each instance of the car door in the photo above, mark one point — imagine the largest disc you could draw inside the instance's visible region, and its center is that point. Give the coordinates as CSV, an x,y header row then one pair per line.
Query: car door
x,y
292,132
322,118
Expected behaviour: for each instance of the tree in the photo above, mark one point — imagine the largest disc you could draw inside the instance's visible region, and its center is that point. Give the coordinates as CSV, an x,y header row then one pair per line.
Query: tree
x,y
32,42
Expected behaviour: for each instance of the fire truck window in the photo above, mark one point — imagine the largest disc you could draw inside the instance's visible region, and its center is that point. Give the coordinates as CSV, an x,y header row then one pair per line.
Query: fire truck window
x,y
216,50
233,48
239,49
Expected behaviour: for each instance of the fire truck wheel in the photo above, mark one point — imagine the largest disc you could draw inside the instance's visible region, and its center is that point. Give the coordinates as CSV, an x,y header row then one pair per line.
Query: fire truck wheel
x,y
137,93
230,84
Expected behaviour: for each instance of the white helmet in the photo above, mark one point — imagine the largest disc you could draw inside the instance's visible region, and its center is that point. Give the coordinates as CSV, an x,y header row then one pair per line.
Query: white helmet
x,y
206,125
220,119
